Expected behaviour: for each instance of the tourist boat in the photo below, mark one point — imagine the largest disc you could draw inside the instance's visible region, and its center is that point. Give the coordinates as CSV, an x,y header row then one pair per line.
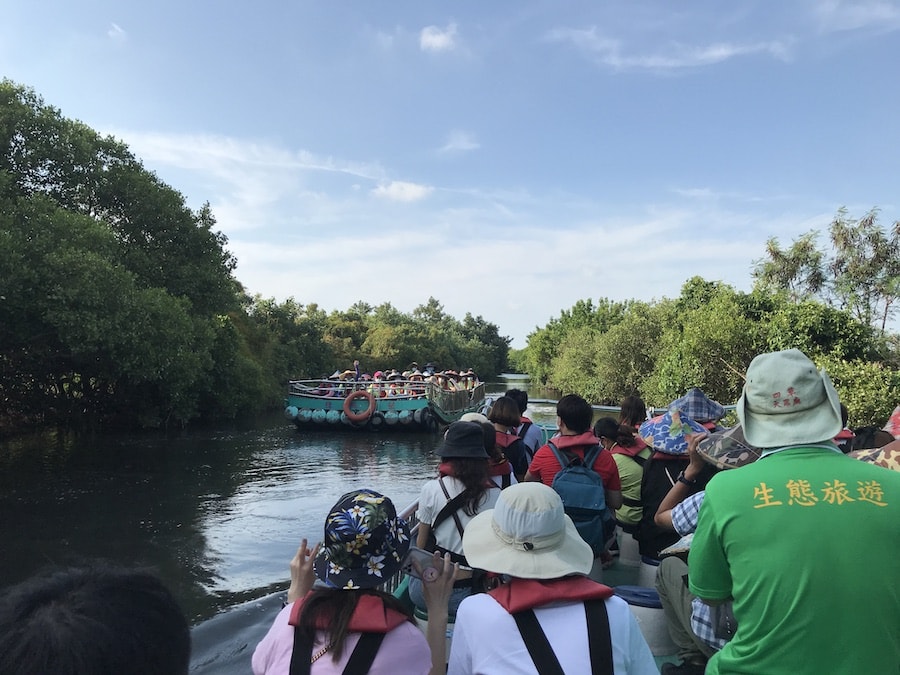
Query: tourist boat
x,y
412,405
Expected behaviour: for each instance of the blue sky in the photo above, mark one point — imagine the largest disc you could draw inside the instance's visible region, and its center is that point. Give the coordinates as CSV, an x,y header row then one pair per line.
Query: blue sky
x,y
506,158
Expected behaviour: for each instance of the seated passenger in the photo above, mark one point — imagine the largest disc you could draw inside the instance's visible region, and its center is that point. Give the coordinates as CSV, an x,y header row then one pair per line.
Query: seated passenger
x,y
500,470
504,414
630,452
89,620
447,503
344,616
542,598
530,433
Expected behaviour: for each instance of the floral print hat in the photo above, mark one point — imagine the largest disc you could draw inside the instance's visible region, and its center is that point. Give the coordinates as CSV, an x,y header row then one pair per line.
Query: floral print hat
x,y
365,542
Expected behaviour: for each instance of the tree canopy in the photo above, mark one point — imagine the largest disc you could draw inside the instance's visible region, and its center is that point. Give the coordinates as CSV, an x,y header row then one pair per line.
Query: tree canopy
x,y
859,272
119,304
706,338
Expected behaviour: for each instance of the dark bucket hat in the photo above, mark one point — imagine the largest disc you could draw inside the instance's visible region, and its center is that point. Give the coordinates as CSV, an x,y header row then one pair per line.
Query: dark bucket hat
x,y
463,440
365,542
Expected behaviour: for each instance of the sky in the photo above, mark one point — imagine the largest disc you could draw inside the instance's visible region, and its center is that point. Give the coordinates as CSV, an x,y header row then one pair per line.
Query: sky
x,y
505,158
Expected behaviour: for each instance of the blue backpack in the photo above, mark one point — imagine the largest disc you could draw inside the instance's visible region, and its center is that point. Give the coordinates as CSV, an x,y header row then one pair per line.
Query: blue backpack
x,y
583,496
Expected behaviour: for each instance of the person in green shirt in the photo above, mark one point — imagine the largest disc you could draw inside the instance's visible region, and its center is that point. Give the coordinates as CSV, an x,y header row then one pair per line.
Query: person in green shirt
x,y
805,541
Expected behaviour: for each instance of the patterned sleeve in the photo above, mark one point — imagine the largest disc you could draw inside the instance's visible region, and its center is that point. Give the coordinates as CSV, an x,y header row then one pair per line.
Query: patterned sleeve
x,y
686,514
702,625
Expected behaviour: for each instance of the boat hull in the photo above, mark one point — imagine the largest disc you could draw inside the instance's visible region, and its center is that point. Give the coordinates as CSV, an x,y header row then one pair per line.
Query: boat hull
x,y
426,410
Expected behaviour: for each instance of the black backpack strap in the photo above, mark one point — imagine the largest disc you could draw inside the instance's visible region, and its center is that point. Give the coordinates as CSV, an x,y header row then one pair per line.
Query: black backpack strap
x,y
364,654
360,661
628,501
521,432
529,451
459,526
599,640
450,509
301,654
537,644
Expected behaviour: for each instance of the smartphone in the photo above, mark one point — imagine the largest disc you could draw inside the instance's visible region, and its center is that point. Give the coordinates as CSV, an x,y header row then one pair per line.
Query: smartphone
x,y
425,560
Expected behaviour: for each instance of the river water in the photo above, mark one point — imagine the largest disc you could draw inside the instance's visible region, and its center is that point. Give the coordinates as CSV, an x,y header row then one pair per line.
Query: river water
x,y
218,514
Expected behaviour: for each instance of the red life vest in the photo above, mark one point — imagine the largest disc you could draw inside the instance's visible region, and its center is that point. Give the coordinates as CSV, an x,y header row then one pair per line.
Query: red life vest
x,y
369,616
521,594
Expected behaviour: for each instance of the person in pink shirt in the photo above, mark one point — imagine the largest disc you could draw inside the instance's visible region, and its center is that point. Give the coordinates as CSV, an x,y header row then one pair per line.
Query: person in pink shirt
x,y
336,613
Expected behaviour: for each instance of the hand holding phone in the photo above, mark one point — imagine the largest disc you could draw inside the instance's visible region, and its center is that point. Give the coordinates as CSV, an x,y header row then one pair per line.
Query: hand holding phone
x,y
426,563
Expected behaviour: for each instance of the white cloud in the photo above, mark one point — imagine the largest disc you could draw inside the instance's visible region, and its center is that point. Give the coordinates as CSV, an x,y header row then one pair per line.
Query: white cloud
x,y
460,141
435,39
840,15
116,33
609,52
401,191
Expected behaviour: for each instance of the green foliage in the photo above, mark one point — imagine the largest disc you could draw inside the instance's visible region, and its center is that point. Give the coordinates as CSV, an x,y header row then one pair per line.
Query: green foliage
x,y
546,344
706,338
708,347
110,281
860,273
627,352
517,361
869,389
574,366
818,330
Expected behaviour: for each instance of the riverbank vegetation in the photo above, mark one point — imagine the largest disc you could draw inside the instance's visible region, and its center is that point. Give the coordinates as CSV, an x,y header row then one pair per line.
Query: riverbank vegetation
x,y
119,306
118,303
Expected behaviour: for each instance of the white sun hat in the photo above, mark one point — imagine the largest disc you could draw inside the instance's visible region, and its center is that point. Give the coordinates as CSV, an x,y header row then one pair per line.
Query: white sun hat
x,y
527,535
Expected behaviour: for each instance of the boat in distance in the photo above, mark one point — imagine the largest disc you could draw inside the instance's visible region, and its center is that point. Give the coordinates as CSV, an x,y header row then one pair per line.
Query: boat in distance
x,y
409,405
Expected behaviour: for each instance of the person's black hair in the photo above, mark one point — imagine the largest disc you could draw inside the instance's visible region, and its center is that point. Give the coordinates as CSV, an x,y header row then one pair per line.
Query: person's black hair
x,y
845,415
473,474
575,412
520,397
870,437
505,411
632,411
608,427
99,620
334,608
490,440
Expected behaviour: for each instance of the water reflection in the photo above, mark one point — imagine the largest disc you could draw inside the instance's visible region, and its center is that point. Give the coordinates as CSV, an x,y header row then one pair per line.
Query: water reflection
x,y
219,514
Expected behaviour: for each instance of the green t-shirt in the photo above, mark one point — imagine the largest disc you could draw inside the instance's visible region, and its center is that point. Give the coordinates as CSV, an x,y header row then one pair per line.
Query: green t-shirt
x,y
630,474
807,542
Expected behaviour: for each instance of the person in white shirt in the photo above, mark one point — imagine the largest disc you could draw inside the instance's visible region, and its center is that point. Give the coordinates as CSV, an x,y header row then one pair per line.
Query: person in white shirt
x,y
541,565
463,476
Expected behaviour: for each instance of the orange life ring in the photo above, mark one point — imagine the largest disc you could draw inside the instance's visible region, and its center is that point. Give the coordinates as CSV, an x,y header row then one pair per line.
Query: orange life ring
x,y
359,416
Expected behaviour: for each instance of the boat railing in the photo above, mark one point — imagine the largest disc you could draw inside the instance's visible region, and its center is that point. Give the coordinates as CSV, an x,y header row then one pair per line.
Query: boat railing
x,y
328,389
409,514
450,399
